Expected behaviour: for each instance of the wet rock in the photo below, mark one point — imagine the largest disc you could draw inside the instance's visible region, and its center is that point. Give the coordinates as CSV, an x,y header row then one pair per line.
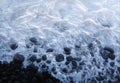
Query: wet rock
x,y
44,57
5,63
67,62
74,64
48,61
32,67
53,69
90,46
49,81
118,69
50,50
33,58
112,64
38,60
81,63
67,50
13,45
107,53
69,58
77,47
109,49
100,78
59,57
112,56
18,58
35,50
64,70
30,74
17,82
34,80
77,58
34,40
43,66
29,45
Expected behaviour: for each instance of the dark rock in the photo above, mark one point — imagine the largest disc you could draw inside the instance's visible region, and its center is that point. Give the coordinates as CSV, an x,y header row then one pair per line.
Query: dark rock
x,y
93,80
64,70
55,72
81,63
50,50
29,45
111,71
77,59
0,62
5,63
59,57
18,58
112,64
71,79
107,53
13,46
49,81
17,82
90,46
35,50
48,61
112,56
34,80
67,62
0,81
109,49
30,74
38,60
74,64
67,50
118,69
33,58
34,40
44,57
100,78
77,47
69,58
32,67
53,69
43,66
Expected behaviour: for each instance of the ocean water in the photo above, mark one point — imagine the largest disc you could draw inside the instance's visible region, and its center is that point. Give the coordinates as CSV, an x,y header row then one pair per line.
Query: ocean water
x,y
62,23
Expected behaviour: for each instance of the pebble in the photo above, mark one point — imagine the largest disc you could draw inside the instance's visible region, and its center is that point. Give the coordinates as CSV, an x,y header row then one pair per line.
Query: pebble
x,y
48,61
13,46
109,49
38,60
107,53
18,58
67,51
33,58
59,58
112,64
32,67
34,40
43,66
35,50
44,57
50,50
64,70
112,56
74,64
53,69
69,58
67,62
